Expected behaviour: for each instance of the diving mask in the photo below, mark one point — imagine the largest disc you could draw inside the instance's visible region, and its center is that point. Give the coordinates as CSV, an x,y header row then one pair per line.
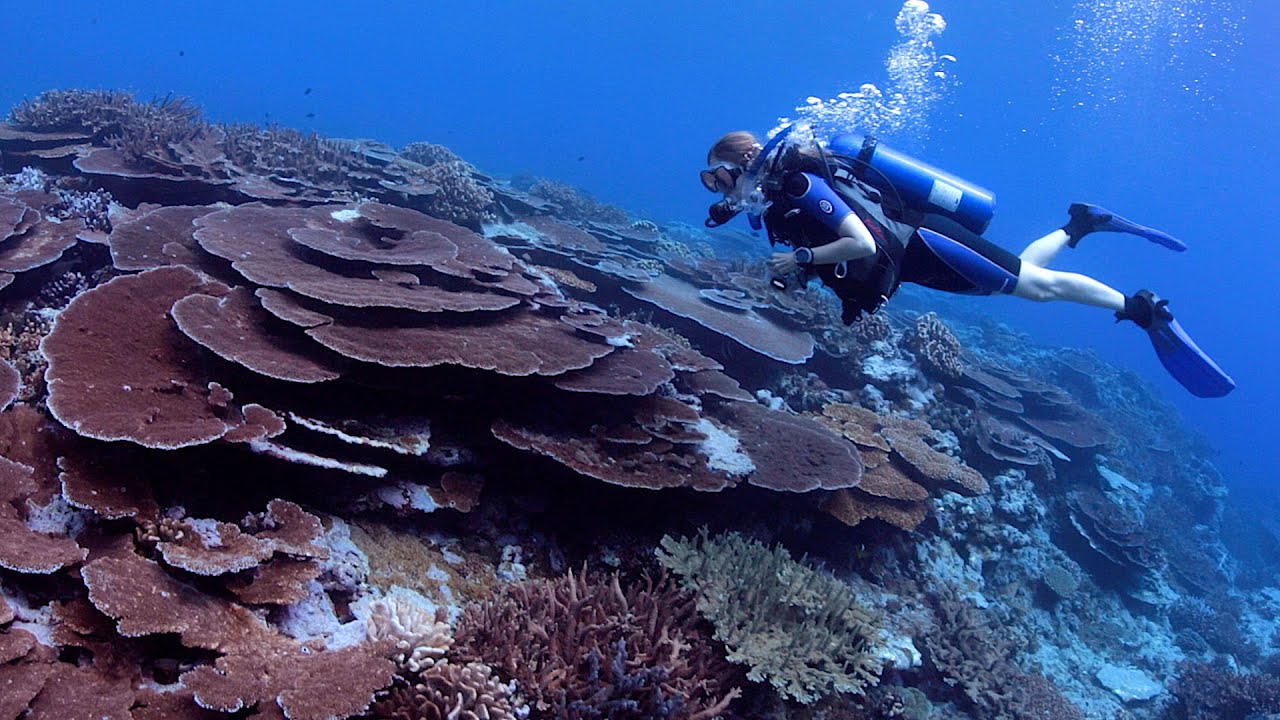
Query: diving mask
x,y
721,177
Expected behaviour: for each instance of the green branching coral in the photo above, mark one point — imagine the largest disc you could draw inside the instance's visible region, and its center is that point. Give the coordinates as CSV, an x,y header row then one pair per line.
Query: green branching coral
x,y
795,627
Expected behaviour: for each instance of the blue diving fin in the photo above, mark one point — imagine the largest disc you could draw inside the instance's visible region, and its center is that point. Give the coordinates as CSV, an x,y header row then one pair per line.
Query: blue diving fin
x,y
1091,218
1179,354
1186,362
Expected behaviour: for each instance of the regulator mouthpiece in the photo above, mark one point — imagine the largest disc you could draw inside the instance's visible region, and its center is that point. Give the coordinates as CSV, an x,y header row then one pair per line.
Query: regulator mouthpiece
x,y
721,212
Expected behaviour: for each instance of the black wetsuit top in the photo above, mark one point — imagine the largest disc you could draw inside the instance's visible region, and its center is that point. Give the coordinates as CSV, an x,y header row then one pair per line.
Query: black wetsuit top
x,y
806,209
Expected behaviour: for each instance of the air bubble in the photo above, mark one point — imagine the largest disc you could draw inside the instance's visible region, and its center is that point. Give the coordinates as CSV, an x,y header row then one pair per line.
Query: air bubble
x,y
918,79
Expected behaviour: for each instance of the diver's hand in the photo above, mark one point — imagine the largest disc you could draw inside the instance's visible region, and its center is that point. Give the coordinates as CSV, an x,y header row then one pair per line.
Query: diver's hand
x,y
783,263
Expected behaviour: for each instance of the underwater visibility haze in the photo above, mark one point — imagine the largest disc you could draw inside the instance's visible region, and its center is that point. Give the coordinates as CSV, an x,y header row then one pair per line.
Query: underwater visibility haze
x,y
376,361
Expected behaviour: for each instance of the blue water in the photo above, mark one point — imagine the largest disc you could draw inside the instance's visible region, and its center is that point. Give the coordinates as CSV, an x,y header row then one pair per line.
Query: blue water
x,y
623,100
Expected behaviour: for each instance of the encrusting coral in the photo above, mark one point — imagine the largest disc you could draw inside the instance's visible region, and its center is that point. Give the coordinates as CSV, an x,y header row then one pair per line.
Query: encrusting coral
x,y
797,628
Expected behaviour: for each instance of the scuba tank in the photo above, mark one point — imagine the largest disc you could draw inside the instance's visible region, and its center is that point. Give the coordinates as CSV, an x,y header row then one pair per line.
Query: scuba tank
x,y
917,185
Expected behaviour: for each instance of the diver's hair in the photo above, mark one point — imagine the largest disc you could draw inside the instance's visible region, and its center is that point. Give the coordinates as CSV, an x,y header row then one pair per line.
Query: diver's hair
x,y
739,146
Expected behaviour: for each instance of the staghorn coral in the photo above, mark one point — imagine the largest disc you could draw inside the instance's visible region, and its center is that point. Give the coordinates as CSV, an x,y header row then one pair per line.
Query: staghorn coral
x,y
936,347
285,152
1216,622
151,130
975,652
800,630
96,112
1208,693
1042,700
137,132
585,647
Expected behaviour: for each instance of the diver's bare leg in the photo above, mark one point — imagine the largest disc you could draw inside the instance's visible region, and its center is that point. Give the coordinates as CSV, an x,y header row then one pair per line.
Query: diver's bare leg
x,y
1042,252
1043,285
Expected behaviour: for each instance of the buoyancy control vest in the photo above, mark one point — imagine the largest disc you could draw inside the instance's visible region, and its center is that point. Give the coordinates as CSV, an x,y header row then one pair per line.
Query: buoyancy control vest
x,y
862,285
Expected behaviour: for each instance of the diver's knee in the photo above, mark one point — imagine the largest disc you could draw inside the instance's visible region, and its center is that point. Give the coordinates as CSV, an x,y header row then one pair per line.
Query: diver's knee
x,y
1038,284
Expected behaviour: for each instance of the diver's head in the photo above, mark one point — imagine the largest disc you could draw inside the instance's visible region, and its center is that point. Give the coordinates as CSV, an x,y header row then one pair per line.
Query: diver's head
x,y
739,147
728,159
727,162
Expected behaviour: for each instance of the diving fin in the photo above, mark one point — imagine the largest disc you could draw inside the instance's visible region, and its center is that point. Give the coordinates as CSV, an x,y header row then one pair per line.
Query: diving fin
x,y
1091,218
1179,354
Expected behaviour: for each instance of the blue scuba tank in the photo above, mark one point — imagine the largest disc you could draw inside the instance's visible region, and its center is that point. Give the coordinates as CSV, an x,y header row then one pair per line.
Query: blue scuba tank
x,y
919,185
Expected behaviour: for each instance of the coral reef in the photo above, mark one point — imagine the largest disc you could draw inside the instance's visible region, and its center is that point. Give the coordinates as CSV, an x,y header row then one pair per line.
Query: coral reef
x,y
296,426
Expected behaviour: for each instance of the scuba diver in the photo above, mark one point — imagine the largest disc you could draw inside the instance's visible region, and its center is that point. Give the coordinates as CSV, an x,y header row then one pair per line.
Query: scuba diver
x,y
865,218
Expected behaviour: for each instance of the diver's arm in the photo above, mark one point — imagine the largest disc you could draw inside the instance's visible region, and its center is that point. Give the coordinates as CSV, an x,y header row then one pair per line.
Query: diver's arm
x,y
846,247
855,242
811,194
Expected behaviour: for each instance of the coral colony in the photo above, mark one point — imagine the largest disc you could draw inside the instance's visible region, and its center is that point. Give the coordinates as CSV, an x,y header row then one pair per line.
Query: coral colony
x,y
310,428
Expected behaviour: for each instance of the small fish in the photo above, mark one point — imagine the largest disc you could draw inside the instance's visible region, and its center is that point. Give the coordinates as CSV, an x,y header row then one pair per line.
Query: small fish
x,y
307,91
581,158
182,53
311,115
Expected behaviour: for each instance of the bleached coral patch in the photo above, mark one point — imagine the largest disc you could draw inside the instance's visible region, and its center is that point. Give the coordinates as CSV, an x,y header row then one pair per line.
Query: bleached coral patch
x,y
724,453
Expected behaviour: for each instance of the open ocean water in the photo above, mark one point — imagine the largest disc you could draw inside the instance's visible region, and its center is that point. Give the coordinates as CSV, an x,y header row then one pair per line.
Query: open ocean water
x,y
1164,111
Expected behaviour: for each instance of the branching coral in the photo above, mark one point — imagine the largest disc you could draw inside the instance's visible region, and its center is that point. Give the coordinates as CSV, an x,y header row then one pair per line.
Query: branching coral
x,y
585,647
289,153
975,653
426,153
798,629
1208,693
90,111
420,637
936,347
576,205
137,129
461,199
446,690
